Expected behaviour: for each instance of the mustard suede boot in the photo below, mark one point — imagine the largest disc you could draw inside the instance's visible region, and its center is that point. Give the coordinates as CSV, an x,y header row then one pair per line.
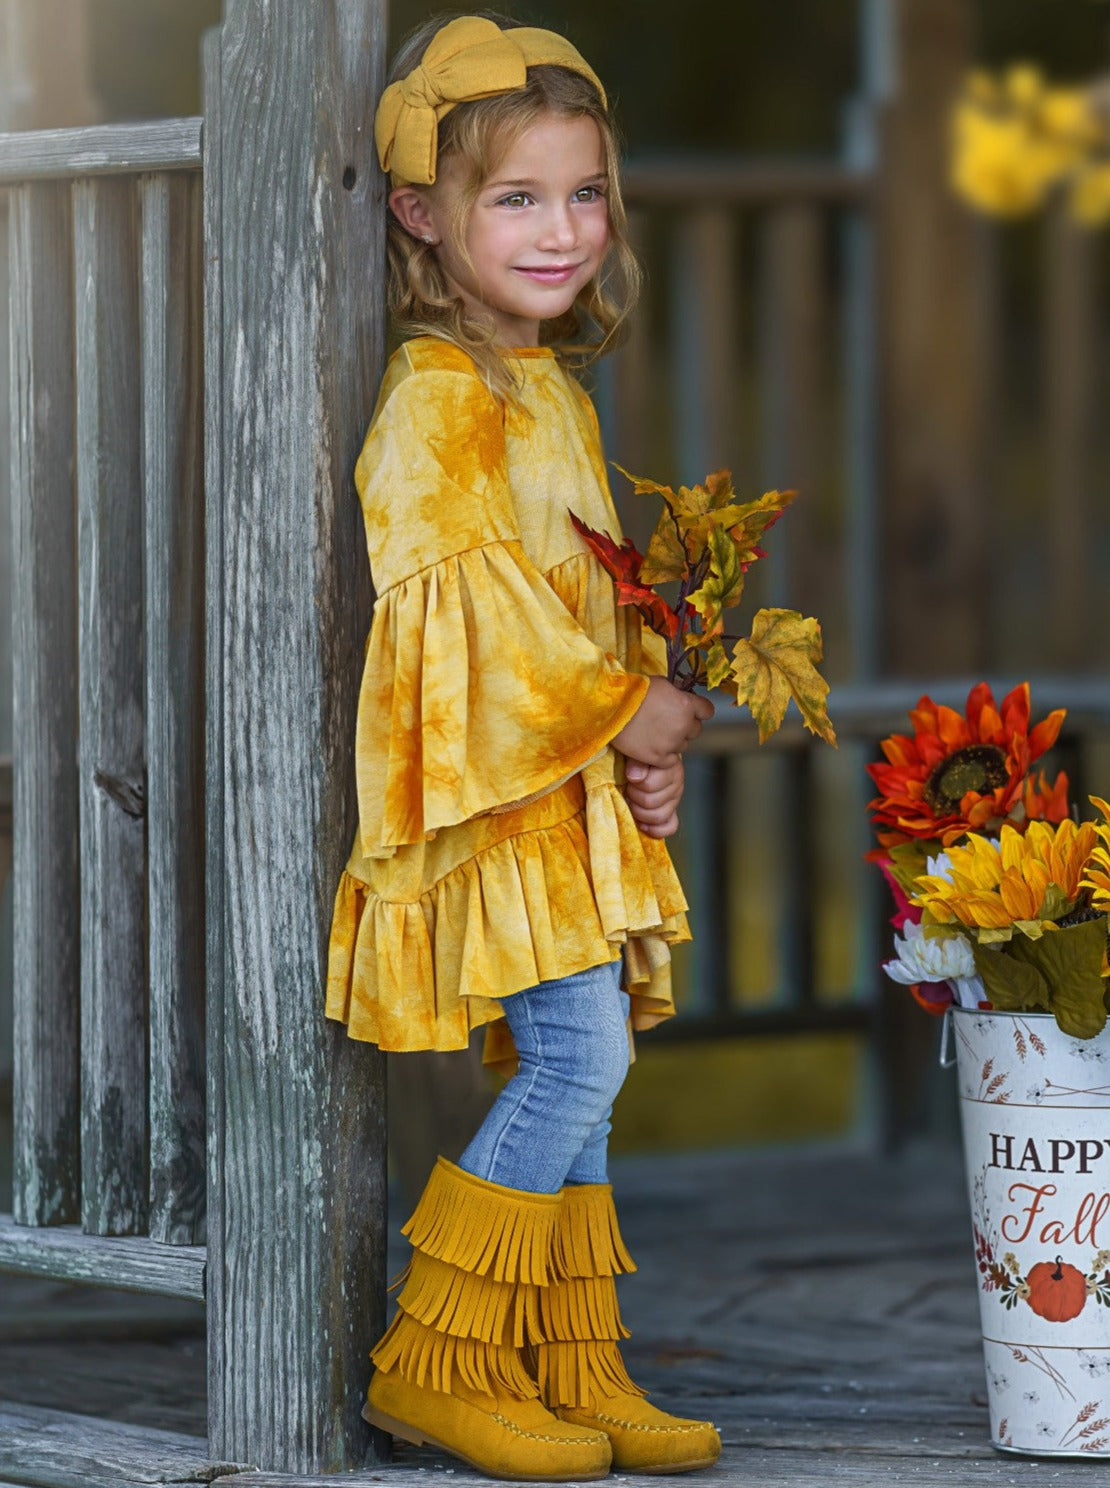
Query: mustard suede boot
x,y
449,1369
579,1366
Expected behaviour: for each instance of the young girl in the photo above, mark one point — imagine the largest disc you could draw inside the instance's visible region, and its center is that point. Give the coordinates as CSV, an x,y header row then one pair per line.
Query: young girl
x,y
518,760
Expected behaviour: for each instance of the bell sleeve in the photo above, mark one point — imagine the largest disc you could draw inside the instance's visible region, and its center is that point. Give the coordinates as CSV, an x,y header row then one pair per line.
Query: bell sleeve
x,y
479,687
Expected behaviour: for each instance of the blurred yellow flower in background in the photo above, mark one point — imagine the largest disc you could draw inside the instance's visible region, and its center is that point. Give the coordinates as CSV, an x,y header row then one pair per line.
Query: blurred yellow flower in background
x,y
1015,140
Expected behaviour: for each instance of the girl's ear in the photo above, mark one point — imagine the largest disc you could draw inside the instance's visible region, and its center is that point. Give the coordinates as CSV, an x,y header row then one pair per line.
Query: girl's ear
x,y
411,210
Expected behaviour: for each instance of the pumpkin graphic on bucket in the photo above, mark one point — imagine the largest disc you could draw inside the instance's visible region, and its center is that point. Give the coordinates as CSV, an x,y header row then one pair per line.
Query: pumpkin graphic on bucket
x,y
1057,1291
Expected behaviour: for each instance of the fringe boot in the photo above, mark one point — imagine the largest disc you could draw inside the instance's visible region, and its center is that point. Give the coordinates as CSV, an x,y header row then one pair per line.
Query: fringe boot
x,y
449,1369
578,1363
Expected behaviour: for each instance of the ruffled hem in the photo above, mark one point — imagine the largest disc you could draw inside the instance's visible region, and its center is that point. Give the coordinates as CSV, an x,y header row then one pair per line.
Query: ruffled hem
x,y
534,906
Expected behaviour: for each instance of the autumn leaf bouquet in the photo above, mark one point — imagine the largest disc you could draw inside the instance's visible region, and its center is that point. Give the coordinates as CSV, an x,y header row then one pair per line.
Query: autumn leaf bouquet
x,y
1001,894
703,545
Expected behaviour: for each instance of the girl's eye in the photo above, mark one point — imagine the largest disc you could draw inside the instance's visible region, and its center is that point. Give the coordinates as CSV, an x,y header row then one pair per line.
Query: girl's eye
x,y
589,194
517,199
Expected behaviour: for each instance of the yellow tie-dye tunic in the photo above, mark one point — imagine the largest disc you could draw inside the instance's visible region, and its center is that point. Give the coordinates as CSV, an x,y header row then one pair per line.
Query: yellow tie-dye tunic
x,y
495,848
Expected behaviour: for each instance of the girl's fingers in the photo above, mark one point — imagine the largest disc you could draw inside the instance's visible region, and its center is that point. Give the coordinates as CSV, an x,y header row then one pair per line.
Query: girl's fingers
x,y
667,828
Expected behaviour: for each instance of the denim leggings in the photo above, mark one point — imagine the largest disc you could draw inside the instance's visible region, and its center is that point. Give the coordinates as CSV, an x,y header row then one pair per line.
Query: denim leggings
x,y
550,1124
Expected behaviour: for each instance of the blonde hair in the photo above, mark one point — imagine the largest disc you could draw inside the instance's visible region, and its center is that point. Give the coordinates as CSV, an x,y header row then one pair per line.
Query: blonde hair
x,y
478,134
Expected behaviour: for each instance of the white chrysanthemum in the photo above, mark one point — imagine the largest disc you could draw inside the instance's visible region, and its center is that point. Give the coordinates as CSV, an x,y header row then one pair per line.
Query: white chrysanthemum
x,y
939,867
935,958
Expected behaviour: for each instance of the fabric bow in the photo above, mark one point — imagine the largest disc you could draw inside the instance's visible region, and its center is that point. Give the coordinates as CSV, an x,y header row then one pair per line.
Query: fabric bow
x,y
467,59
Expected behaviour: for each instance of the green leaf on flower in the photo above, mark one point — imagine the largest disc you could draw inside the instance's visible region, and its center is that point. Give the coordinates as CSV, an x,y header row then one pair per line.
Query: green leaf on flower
x,y
908,861
1070,960
775,664
1031,929
1010,984
1060,974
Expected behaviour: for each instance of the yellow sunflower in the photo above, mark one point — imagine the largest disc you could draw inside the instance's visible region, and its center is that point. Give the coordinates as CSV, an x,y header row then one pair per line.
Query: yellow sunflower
x,y
1023,881
1097,876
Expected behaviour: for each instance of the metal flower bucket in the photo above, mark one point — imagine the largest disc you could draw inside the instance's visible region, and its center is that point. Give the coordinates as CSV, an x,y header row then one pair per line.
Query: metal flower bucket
x,y
1035,1113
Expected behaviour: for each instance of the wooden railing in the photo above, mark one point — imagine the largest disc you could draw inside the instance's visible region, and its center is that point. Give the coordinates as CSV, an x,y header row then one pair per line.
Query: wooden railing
x,y
107,490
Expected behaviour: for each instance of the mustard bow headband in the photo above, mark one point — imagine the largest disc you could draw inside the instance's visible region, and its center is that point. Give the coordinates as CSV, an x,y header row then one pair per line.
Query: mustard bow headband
x,y
469,58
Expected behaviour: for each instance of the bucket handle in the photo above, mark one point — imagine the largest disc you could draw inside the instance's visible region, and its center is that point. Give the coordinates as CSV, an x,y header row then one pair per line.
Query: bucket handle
x,y
947,1041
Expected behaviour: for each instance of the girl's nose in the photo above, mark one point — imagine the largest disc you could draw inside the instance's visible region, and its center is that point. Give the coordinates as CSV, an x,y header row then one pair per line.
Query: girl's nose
x,y
559,230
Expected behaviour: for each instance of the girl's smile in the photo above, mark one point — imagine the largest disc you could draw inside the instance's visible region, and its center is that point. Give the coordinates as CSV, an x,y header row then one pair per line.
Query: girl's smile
x,y
537,232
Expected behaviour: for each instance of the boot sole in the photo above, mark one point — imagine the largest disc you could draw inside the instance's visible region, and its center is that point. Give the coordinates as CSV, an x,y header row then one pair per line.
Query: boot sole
x,y
418,1438
671,1467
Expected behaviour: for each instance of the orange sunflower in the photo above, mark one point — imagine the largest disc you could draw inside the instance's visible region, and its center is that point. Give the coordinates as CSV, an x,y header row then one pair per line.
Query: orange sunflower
x,y
965,774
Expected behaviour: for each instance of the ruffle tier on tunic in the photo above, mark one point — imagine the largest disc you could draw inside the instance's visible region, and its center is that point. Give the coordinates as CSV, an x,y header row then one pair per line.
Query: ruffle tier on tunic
x,y
495,847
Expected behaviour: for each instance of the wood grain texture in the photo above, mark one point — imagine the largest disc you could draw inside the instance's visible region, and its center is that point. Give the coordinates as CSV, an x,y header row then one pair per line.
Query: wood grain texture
x,y
114,1126
68,1450
173,477
934,545
1071,326
100,149
131,1263
46,902
294,335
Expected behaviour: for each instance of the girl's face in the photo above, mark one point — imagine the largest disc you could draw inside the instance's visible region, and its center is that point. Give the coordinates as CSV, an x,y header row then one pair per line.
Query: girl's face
x,y
537,233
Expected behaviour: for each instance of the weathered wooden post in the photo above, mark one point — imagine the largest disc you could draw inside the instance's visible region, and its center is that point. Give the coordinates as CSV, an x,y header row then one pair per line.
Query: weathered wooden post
x,y
935,401
294,310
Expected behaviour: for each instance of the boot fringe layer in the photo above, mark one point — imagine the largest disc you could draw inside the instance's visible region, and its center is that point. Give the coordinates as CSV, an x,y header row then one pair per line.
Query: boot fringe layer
x,y
450,1300
438,1361
587,1240
583,1307
575,1375
485,1229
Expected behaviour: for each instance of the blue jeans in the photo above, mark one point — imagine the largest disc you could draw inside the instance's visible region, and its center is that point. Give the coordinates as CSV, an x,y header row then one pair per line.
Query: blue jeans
x,y
550,1124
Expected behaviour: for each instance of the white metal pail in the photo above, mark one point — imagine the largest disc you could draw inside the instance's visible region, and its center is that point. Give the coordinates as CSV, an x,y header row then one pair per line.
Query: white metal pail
x,y
1035,1112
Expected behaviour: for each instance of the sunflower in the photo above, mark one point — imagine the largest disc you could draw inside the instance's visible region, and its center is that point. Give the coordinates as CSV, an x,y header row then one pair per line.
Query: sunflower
x,y
1023,881
1097,877
965,774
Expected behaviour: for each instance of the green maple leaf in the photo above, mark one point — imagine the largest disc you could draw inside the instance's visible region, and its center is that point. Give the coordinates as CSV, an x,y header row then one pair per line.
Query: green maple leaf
x,y
723,584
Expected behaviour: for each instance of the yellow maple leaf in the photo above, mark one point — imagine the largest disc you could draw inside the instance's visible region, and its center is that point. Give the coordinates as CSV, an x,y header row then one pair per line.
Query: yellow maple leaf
x,y
777,663
666,557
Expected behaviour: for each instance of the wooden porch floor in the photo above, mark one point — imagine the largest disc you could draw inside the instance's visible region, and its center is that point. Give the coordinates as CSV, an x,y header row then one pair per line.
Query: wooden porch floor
x,y
819,1305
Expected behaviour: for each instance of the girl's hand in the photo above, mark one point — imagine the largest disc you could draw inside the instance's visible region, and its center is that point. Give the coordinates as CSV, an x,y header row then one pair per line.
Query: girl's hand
x,y
664,723
653,793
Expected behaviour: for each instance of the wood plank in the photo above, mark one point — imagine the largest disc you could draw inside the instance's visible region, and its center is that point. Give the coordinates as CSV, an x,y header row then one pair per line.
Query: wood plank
x,y
1071,321
100,149
295,328
935,547
6,956
213,376
68,1450
46,943
114,1128
703,322
128,1263
691,179
703,338
624,406
5,841
173,476
793,333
